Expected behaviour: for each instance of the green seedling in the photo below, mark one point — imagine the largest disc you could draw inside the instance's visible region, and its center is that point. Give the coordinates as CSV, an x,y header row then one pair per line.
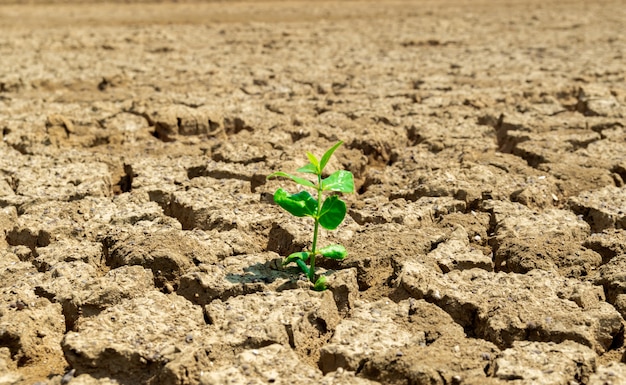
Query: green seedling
x,y
326,212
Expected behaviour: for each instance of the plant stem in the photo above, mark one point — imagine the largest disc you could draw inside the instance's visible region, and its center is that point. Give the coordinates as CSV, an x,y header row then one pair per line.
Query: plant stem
x,y
312,268
316,228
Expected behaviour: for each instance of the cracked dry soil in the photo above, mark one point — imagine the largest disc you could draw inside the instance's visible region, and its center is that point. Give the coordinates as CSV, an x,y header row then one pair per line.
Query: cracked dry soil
x,y
140,243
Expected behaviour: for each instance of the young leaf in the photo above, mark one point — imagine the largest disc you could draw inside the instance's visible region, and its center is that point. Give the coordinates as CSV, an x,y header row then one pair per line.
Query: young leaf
x,y
305,269
341,181
333,252
300,204
301,255
328,154
297,179
332,213
309,169
320,284
314,162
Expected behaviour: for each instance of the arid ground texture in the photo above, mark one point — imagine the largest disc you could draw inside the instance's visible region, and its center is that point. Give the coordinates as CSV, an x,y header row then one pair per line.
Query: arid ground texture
x,y
139,239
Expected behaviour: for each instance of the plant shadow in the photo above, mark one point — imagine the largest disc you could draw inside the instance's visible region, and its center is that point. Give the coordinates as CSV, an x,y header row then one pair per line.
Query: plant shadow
x,y
266,273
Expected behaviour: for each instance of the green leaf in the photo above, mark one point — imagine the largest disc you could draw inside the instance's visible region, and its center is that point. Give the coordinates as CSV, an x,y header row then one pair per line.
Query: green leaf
x,y
333,252
297,179
309,169
300,204
303,266
332,213
299,256
320,284
328,154
341,181
314,162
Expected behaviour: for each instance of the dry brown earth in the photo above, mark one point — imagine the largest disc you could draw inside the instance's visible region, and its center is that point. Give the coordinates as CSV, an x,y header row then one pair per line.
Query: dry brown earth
x,y
139,242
